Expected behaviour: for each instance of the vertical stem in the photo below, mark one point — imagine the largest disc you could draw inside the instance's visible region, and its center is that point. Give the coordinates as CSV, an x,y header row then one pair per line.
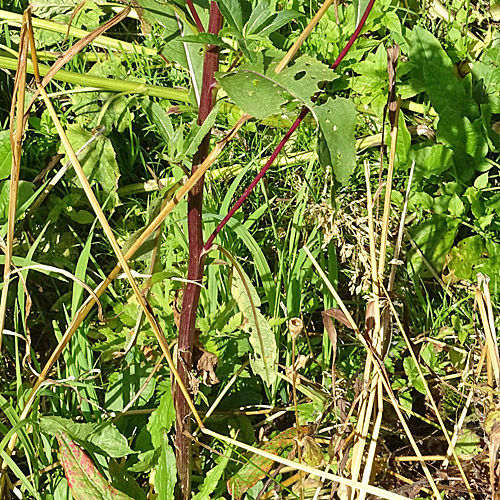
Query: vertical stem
x,y
195,268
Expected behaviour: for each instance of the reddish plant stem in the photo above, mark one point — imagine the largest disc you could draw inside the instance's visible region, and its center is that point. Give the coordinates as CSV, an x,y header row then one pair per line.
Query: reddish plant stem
x,y
195,268
296,123
195,16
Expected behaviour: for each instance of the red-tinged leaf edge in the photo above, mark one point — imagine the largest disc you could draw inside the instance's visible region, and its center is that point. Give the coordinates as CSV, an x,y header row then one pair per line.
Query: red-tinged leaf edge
x,y
84,479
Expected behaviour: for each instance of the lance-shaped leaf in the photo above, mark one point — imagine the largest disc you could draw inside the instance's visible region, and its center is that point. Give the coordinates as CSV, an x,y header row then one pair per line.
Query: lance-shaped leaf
x,y
84,480
260,92
261,335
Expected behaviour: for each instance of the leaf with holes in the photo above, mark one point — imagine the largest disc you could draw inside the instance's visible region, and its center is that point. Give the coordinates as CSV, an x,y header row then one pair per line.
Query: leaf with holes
x,y
337,144
260,92
84,480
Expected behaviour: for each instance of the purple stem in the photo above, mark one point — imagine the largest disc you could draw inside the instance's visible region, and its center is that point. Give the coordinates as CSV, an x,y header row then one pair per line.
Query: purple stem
x,y
191,295
196,18
292,129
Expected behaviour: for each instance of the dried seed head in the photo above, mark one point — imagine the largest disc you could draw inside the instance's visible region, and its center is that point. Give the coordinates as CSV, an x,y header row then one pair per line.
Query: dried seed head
x,y
296,325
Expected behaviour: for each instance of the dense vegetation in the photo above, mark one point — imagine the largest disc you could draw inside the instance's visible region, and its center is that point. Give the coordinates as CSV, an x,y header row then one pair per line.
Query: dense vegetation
x,y
341,316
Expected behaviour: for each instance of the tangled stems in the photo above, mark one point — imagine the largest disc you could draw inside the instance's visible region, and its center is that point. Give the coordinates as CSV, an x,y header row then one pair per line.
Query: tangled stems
x,y
296,123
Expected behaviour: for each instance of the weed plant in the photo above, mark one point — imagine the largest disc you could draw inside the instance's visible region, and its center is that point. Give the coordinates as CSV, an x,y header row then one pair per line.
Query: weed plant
x,y
296,348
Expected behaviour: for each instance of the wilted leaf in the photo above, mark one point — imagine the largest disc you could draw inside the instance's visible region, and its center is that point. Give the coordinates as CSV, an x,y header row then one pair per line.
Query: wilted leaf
x,y
84,480
257,466
261,336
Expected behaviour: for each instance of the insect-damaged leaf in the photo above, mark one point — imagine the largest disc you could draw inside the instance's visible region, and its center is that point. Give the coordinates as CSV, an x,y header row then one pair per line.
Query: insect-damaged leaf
x,y
261,336
337,144
260,92
84,480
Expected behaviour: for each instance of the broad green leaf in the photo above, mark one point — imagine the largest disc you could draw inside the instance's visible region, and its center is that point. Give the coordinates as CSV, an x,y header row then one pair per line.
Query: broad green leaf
x,y
5,154
161,419
337,146
166,471
481,182
101,437
98,160
213,476
235,12
262,337
260,14
124,385
433,64
431,160
468,443
435,238
84,480
260,92
257,466
24,193
475,255
413,375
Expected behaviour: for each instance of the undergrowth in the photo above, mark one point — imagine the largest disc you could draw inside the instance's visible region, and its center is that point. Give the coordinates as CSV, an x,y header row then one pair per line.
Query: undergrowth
x,y
304,346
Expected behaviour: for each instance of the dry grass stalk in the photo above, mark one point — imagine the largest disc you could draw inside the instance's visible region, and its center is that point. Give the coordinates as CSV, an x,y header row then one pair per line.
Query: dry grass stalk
x,y
307,31
16,137
379,367
429,395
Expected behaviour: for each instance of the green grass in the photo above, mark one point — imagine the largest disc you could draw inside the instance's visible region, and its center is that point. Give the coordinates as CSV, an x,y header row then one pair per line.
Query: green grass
x,y
297,204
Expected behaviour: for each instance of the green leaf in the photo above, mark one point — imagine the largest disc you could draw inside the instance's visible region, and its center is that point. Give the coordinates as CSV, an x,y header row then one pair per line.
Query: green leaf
x,y
475,255
435,238
481,182
456,206
262,337
25,191
213,476
235,12
431,160
166,471
5,154
84,480
161,419
359,9
101,437
198,132
98,160
160,118
337,146
204,38
413,376
260,92
124,385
